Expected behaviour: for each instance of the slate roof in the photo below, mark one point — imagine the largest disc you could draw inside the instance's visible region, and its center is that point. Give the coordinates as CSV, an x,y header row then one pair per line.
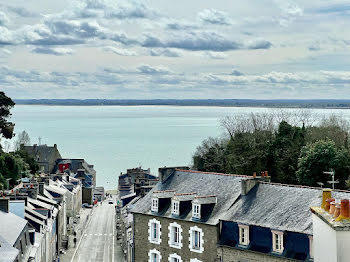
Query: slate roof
x,y
227,188
11,227
43,152
276,206
8,252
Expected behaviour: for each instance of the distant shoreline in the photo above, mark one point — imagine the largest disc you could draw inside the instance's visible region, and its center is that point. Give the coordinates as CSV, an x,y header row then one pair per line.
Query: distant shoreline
x,y
278,103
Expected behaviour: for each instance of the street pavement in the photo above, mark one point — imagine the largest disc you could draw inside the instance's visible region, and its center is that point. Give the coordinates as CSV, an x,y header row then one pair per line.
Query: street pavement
x,y
98,240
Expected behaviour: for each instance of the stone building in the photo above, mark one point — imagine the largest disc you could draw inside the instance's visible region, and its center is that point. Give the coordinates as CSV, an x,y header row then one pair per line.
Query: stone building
x,y
197,216
45,156
178,220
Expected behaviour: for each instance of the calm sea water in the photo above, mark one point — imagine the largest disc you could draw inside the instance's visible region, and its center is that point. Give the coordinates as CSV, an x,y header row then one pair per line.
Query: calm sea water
x,y
115,138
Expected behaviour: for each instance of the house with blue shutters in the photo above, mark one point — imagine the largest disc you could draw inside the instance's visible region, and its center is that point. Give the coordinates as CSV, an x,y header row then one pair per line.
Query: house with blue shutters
x,y
203,216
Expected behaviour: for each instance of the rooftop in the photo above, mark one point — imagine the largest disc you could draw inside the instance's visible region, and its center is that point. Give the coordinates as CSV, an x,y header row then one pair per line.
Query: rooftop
x,y
11,227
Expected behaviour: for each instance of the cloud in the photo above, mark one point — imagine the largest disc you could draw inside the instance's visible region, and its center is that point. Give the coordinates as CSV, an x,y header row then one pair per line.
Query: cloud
x,y
20,11
334,8
258,44
4,20
6,36
53,51
119,51
215,17
153,70
203,41
163,52
236,73
215,55
289,12
106,9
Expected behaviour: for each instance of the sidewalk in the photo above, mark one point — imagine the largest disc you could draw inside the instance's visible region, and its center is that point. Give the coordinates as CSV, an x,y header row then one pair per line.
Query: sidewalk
x,y
85,213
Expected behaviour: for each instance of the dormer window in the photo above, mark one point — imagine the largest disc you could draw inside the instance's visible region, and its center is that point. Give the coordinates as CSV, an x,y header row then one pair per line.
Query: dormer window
x,y
175,207
154,207
196,211
277,241
243,235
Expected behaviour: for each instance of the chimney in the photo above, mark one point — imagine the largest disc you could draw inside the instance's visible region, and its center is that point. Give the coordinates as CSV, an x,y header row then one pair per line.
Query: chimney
x,y
326,193
328,204
41,188
336,211
165,172
4,205
254,175
344,210
55,146
332,208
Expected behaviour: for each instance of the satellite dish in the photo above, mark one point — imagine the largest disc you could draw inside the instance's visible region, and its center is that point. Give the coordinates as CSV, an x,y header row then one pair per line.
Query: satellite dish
x,y
320,184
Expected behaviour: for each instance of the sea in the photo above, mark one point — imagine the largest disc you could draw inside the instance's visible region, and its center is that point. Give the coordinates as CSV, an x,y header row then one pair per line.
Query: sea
x,y
116,138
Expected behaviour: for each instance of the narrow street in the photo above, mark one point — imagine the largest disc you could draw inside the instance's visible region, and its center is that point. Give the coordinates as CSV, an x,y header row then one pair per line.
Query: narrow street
x,y
98,242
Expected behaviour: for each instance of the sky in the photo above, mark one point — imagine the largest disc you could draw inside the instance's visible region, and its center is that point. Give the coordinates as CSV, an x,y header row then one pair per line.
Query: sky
x,y
198,49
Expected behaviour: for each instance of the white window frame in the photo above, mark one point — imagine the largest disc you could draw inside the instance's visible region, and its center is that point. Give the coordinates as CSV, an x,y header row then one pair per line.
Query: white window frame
x,y
311,247
277,241
175,207
201,240
174,256
171,228
196,210
195,260
243,235
151,224
154,204
152,252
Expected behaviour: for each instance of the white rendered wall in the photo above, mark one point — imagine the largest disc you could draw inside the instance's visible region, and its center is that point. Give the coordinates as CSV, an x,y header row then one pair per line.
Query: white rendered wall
x,y
324,240
343,247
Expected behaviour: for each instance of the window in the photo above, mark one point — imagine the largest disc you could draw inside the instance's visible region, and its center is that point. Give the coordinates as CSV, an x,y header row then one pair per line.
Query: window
x,y
174,258
311,247
154,231
277,241
196,211
196,239
154,206
175,207
243,235
175,235
154,256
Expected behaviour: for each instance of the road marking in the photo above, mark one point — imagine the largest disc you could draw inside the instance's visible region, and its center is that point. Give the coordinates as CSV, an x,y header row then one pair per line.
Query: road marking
x,y
81,238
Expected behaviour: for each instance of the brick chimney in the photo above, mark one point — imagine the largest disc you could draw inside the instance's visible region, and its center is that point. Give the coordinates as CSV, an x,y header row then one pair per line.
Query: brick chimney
x,y
4,205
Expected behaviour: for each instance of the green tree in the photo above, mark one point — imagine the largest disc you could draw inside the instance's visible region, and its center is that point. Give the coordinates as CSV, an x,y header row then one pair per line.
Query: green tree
x,y
285,150
6,127
322,156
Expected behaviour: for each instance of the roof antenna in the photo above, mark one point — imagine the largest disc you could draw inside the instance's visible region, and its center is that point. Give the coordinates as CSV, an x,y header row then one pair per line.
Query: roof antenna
x,y
39,141
331,173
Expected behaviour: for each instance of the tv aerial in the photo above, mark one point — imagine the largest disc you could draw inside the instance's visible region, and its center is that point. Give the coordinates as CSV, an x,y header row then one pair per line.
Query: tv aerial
x,y
331,173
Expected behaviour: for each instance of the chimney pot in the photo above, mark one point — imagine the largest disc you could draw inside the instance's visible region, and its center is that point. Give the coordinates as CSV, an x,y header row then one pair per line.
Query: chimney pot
x,y
326,193
332,208
344,210
328,204
336,211
254,174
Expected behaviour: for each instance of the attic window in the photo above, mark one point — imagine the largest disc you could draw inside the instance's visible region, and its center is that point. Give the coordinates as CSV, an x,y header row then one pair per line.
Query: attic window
x,y
196,211
243,235
175,207
277,241
154,207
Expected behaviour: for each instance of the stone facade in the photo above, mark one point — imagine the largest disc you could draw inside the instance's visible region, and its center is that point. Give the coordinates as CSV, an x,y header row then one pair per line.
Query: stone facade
x,y
142,246
229,254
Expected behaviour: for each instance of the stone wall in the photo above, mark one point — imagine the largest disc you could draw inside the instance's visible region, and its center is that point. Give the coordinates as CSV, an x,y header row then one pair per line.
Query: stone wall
x,y
143,246
228,254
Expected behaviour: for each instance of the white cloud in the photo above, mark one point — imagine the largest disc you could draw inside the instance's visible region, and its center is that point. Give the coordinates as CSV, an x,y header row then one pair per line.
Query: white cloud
x,y
53,51
215,17
119,51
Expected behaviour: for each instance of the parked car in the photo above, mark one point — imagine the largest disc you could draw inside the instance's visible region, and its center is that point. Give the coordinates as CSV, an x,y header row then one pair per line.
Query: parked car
x,y
110,202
